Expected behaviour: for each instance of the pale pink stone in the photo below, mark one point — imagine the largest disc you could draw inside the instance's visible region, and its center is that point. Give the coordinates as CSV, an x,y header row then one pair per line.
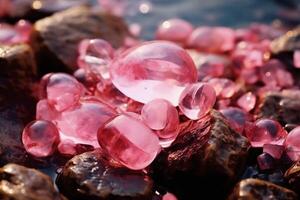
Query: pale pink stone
x,y
80,124
44,111
297,58
236,117
197,100
292,144
128,141
67,147
40,138
153,70
225,88
176,30
169,196
274,150
249,75
247,101
15,34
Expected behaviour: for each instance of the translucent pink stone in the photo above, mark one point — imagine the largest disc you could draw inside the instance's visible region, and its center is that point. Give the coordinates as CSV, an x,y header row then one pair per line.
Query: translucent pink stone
x,y
44,111
15,34
247,101
297,58
129,141
176,30
274,150
40,138
225,88
197,100
63,91
67,147
169,196
153,70
292,144
265,161
265,131
249,75
212,39
236,117
80,124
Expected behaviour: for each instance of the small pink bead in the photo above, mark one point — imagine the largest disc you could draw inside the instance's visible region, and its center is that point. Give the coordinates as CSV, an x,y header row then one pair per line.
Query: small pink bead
x,y
265,131
44,111
40,138
297,58
236,117
225,88
176,30
15,34
265,161
197,100
247,101
63,91
153,70
292,144
128,141
274,150
169,196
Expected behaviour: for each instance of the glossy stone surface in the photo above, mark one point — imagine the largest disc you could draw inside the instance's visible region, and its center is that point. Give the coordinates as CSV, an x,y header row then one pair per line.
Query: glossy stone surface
x,y
169,196
128,141
44,111
225,88
296,59
236,117
265,161
247,101
292,144
274,150
18,33
151,70
197,100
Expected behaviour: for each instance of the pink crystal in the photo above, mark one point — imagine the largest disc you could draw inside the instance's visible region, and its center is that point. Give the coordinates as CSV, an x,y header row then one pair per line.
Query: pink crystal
x,y
225,88
63,91
67,147
212,39
265,131
80,124
153,70
197,100
176,30
297,58
15,34
236,117
247,101
40,138
169,196
128,141
265,161
292,144
44,111
274,150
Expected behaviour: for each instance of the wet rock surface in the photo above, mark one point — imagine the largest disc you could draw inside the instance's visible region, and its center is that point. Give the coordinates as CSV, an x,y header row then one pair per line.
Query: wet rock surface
x,y
89,176
258,189
195,163
292,176
21,183
55,38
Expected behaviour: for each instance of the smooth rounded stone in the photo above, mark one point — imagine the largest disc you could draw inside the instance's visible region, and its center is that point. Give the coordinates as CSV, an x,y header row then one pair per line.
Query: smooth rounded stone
x,y
248,189
21,183
274,150
57,37
152,70
237,118
247,101
292,175
200,155
225,88
292,144
14,34
129,141
169,196
90,176
44,111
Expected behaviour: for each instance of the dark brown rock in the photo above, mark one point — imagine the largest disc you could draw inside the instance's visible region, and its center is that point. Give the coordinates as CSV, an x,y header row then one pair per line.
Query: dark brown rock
x,y
289,42
292,175
21,183
89,176
195,164
55,38
250,189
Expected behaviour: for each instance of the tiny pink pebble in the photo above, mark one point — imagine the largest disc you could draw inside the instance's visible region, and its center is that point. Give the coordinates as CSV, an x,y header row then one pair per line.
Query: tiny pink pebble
x,y
67,147
63,91
128,141
175,30
247,101
169,196
292,144
274,150
297,58
225,88
197,100
40,138
18,33
44,111
236,118
265,161
153,70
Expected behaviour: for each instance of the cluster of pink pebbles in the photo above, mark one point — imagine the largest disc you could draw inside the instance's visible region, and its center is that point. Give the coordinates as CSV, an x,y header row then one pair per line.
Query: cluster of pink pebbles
x,y
130,101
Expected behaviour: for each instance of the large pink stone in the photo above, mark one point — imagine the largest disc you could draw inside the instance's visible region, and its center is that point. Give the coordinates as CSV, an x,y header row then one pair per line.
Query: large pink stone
x,y
197,100
40,138
153,70
247,101
176,30
292,144
129,141
80,124
15,34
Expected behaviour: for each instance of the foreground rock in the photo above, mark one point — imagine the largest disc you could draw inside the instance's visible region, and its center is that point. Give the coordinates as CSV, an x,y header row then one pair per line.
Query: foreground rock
x,y
89,176
21,183
195,164
292,175
55,38
249,189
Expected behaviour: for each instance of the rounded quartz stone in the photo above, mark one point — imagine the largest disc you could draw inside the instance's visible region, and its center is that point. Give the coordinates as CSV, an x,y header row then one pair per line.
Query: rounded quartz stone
x,y
236,117
247,101
44,111
40,138
80,124
63,91
176,30
292,144
225,88
197,100
129,141
169,196
18,33
265,131
153,70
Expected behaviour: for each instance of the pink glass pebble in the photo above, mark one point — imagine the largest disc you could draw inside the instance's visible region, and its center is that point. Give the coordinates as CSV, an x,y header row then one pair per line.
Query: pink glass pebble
x,y
265,131
176,30
274,150
18,33
236,117
212,39
153,70
40,138
80,124
129,141
292,144
225,88
265,161
296,58
44,111
67,147
197,100
63,91
169,196
247,101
